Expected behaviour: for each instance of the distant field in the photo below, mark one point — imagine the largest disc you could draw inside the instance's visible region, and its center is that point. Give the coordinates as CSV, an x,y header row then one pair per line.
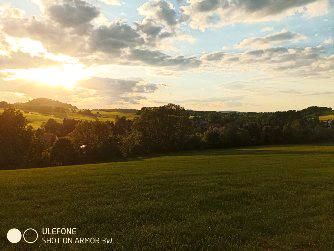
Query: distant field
x,y
252,198
36,119
328,117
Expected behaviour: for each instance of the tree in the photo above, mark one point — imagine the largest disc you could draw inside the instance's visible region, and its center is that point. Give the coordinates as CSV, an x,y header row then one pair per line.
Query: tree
x,y
52,126
132,144
68,126
122,126
15,138
63,152
39,154
165,128
97,140
213,137
4,105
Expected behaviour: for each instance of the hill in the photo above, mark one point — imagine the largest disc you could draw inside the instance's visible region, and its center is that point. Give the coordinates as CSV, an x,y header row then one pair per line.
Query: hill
x,y
269,198
44,105
40,110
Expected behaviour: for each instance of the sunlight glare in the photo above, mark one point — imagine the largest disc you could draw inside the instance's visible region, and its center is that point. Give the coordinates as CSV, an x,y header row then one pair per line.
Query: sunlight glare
x,y
26,45
66,76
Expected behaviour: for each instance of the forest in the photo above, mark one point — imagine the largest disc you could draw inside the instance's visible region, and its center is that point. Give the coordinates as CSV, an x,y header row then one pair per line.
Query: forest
x,y
156,130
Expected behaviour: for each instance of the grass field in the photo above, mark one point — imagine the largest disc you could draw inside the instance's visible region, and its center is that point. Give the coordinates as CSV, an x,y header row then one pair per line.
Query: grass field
x,y
327,117
36,119
252,198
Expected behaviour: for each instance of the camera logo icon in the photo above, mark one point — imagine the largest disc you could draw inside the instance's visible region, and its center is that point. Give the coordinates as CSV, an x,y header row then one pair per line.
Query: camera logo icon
x,y
30,235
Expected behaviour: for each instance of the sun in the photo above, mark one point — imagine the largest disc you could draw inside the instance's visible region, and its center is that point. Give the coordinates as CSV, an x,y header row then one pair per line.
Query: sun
x,y
65,76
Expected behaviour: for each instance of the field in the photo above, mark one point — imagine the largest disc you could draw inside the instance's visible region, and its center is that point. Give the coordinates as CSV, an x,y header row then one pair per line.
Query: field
x,y
251,198
36,119
327,117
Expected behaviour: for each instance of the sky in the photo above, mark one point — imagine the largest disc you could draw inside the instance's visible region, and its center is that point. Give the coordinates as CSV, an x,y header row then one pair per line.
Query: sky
x,y
224,55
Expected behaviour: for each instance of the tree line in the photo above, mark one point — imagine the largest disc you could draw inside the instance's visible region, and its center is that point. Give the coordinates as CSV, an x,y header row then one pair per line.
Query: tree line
x,y
168,128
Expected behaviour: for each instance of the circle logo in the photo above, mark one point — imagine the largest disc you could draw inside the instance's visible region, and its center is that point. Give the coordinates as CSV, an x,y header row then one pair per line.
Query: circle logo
x,y
30,235
14,235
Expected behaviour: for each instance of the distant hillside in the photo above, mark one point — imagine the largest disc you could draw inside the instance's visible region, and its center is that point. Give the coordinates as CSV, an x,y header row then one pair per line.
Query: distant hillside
x,y
39,111
4,105
42,102
122,110
44,105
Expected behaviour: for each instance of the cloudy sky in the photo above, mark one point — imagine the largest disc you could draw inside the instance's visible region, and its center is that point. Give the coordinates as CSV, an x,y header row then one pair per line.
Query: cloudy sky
x,y
244,55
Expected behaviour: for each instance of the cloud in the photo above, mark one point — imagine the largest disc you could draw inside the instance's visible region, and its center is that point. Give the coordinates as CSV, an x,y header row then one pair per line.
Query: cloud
x,y
302,62
162,37
327,93
14,60
53,37
112,39
202,14
154,32
115,90
328,41
160,24
73,13
117,42
111,2
157,58
118,86
160,11
140,44
23,53
267,29
284,36
215,56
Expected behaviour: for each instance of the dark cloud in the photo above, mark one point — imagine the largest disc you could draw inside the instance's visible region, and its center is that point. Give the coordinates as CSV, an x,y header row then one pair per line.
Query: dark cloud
x,y
160,11
208,5
158,58
276,38
214,13
73,13
114,38
154,32
214,56
160,21
307,61
269,7
265,7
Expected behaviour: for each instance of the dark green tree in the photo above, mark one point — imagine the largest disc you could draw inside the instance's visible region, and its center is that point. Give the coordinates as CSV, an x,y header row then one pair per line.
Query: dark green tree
x,y
15,138
63,152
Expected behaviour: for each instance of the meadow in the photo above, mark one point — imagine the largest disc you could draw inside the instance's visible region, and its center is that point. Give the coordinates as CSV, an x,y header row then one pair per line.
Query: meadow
x,y
36,119
326,117
278,197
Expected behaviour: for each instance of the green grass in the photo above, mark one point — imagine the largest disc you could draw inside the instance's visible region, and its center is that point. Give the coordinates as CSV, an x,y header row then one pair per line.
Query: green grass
x,y
111,115
251,198
327,117
37,119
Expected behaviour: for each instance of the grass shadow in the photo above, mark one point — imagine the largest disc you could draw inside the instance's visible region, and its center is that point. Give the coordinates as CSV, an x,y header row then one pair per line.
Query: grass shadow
x,y
252,150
